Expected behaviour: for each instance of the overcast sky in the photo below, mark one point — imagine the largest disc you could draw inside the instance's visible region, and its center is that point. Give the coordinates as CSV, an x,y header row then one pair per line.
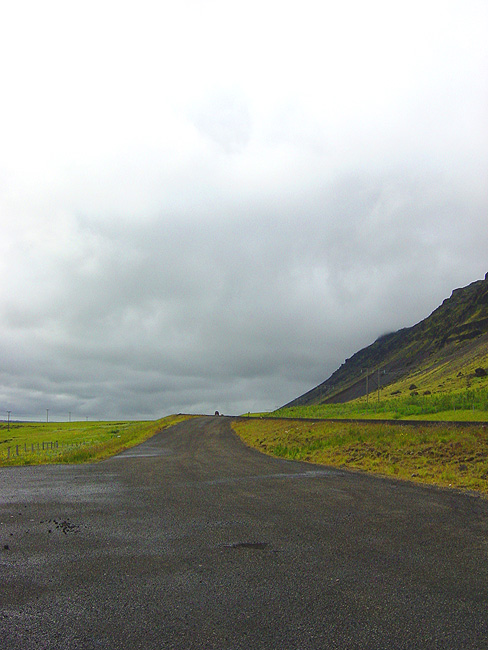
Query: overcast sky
x,y
212,204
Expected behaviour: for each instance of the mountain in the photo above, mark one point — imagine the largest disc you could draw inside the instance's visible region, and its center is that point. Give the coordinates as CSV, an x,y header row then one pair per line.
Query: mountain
x,y
446,351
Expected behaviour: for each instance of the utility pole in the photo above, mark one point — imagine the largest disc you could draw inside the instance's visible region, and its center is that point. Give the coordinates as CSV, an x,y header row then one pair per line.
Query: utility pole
x,y
378,371
367,383
47,415
8,420
70,416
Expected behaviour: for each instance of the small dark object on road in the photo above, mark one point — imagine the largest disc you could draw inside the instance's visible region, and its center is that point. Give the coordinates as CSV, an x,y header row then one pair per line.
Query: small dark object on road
x,y
253,545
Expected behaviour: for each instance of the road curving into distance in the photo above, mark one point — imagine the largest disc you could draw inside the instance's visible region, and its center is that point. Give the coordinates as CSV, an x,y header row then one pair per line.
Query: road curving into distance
x,y
194,541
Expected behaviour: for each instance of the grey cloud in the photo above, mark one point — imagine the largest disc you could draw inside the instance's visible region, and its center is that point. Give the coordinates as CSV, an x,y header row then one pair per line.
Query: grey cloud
x,y
231,238
177,315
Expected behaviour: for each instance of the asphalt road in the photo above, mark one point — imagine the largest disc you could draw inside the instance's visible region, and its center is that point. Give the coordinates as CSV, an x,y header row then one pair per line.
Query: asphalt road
x,y
193,541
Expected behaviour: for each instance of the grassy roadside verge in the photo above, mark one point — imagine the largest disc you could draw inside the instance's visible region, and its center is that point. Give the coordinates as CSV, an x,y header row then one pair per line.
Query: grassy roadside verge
x,y
437,455
77,442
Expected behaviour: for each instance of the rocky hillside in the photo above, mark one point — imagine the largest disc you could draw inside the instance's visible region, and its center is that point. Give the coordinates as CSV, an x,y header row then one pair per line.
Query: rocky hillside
x,y
446,351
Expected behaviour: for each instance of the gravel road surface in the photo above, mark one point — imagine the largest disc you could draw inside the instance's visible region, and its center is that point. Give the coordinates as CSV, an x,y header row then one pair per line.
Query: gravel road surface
x,y
193,541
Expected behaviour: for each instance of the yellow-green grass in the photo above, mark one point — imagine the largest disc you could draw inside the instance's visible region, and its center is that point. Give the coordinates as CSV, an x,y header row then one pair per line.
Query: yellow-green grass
x,y
448,456
440,375
462,405
347,413
453,389
438,378
74,442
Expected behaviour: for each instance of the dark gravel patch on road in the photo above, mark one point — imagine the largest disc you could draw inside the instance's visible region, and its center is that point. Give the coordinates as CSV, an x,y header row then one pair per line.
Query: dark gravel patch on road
x,y
193,541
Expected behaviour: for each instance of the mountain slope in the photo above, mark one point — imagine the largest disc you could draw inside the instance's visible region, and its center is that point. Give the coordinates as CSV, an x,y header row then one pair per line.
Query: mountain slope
x,y
446,351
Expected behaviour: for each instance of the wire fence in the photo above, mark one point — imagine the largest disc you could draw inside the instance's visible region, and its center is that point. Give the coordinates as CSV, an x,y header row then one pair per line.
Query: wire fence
x,y
51,447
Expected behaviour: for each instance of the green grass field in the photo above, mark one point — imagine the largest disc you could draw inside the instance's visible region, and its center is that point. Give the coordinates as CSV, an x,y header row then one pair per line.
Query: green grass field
x,y
462,405
74,442
448,456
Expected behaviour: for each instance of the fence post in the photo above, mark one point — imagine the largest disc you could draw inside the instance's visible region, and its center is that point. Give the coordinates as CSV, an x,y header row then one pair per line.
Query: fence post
x,y
8,452
17,449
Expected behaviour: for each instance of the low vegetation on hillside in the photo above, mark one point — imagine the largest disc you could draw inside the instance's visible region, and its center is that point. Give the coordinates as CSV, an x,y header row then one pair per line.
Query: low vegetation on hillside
x,y
446,352
460,406
436,370
443,455
34,443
